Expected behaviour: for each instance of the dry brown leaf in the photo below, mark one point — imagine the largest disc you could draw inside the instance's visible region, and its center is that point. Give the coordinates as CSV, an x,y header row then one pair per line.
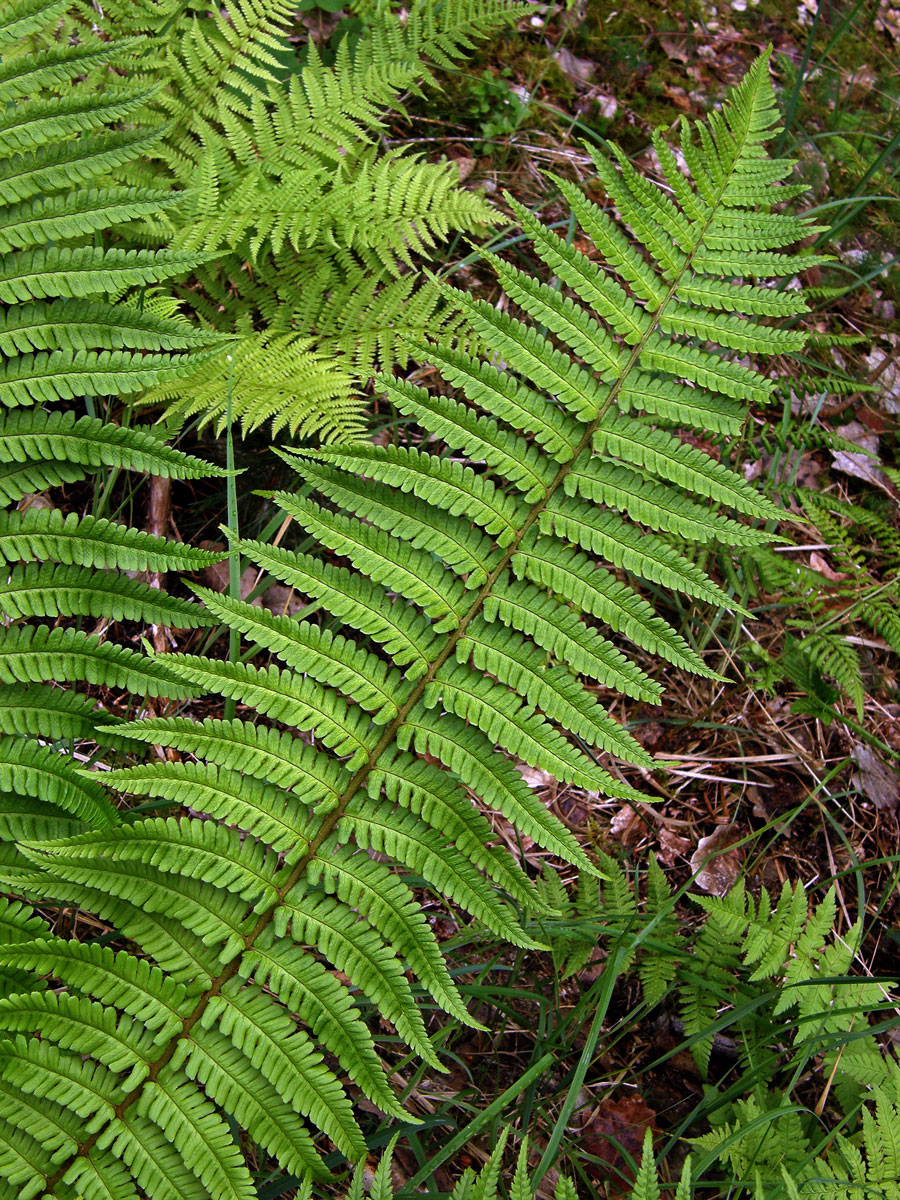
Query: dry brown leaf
x,y
536,778
888,21
627,825
875,779
884,365
671,846
818,563
617,1123
650,734
465,166
285,601
717,874
861,466
579,69
859,82
679,98
216,575
674,46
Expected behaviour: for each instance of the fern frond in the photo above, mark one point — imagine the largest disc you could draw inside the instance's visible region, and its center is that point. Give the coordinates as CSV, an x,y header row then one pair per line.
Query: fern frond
x,y
89,442
837,660
46,533
64,325
43,120
24,17
64,375
715,959
23,75
44,219
403,719
461,547
659,968
286,174
39,654
277,378
61,338
82,271
276,694
58,165
368,607
50,712
32,770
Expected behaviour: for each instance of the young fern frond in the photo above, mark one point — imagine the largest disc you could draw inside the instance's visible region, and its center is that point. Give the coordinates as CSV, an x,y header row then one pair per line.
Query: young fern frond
x,y
481,1185
458,590
263,370
865,549
317,232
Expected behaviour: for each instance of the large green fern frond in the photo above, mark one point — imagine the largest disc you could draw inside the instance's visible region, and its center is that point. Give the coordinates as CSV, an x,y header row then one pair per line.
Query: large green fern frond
x,y
455,592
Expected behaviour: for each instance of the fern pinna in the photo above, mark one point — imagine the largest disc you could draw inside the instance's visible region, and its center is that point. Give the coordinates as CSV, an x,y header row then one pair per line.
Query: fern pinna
x,y
465,598
63,339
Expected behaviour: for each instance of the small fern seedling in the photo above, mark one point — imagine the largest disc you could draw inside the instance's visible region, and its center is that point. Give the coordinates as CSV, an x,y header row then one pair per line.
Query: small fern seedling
x,y
469,594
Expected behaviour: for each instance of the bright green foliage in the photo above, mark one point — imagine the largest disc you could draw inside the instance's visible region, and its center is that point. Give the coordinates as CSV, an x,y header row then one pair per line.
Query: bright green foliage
x,y
646,1184
752,963
406,714
752,971
266,377
610,911
866,550
773,1148
316,231
708,982
62,338
771,1145
786,942
59,337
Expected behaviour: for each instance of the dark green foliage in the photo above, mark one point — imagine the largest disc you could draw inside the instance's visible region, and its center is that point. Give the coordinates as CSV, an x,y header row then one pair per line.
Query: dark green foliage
x,y
64,337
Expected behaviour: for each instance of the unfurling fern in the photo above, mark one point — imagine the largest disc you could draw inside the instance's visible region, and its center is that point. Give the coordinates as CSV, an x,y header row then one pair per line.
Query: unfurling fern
x,y
62,339
315,231
466,593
